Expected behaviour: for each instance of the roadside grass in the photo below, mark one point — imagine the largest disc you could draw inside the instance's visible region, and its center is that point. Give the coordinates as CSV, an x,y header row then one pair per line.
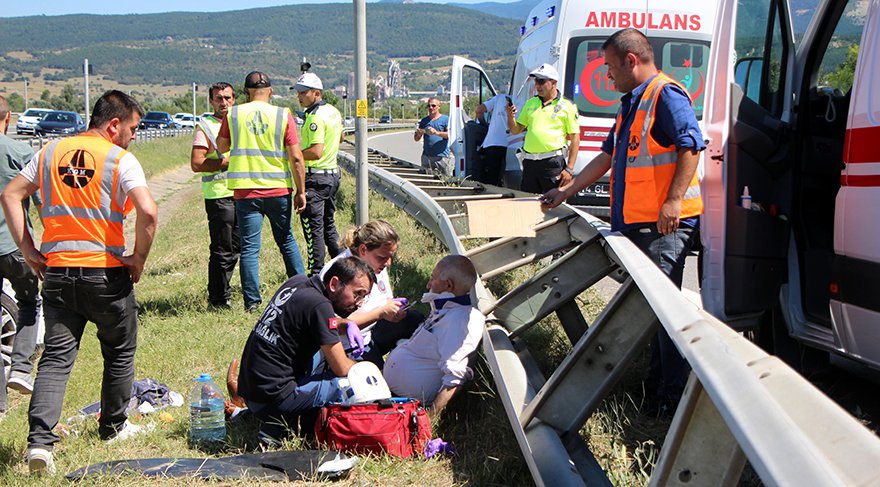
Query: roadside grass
x,y
179,338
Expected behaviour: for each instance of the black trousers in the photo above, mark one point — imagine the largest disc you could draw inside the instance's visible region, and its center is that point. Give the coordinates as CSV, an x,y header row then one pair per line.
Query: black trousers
x,y
225,247
493,163
319,227
541,175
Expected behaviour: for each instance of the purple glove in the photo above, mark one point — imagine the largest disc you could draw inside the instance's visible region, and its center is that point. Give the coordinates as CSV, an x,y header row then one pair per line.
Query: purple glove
x,y
437,446
355,339
403,302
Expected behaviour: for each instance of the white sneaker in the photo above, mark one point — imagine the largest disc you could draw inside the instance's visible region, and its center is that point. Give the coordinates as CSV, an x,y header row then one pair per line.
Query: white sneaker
x,y
129,431
21,383
40,461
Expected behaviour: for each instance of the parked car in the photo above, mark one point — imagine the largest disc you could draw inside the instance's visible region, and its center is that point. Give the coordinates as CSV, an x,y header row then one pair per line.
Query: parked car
x,y
205,115
385,119
179,116
348,122
60,123
27,121
186,121
157,120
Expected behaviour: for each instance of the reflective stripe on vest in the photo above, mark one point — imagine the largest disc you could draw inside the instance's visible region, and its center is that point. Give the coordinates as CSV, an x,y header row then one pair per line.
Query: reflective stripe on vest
x,y
82,216
650,166
258,155
213,183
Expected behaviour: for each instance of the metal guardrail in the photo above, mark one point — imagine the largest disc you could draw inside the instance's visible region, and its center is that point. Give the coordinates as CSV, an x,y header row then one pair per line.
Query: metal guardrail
x,y
740,403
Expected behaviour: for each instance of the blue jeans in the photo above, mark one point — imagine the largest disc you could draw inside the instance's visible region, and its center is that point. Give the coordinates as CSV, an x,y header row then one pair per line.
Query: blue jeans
x,y
668,370
250,213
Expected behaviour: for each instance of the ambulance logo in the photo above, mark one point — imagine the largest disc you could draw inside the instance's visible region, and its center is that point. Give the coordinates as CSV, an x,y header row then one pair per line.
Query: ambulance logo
x,y
256,125
77,168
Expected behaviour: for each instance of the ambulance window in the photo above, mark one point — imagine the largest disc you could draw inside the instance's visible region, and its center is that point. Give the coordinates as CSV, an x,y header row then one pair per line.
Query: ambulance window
x,y
586,78
684,62
475,89
759,36
838,65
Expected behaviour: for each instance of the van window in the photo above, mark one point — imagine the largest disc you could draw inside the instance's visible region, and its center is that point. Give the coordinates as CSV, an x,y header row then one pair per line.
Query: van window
x,y
838,65
475,89
587,83
761,53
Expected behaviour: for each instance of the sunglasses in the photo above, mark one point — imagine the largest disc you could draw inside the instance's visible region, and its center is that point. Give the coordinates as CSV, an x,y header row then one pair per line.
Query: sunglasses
x,y
433,105
541,81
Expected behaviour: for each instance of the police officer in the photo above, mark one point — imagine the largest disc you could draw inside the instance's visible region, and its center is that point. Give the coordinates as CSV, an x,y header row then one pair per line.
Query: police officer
x,y
321,136
88,184
265,162
551,121
219,204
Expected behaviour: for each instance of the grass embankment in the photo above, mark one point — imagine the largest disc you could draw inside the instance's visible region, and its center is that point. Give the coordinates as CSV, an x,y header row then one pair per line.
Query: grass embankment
x,y
180,337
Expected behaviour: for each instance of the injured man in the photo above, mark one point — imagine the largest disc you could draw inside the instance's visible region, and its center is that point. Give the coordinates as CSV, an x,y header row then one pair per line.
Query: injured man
x,y
432,366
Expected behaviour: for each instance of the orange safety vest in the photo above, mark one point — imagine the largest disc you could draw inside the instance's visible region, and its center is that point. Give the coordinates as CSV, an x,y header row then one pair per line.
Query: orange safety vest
x,y
651,166
83,202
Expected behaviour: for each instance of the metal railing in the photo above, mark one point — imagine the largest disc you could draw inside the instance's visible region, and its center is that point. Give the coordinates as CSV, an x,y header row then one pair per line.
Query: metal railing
x,y
740,403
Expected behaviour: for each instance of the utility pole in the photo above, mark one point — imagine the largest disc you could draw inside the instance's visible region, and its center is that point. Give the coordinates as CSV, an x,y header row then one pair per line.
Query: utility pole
x,y
86,71
25,95
195,88
362,210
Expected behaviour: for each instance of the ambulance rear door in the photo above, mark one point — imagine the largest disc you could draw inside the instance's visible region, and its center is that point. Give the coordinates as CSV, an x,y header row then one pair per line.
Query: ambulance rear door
x,y
747,120
469,88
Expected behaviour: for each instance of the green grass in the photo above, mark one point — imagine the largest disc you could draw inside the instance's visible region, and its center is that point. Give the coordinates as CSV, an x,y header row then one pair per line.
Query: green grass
x,y
179,338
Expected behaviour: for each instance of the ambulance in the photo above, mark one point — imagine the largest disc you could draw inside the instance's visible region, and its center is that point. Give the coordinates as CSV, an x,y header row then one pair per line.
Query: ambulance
x,y
569,35
793,114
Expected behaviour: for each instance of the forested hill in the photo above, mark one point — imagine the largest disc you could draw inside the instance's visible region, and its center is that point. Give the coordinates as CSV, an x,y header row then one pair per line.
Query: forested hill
x,y
176,48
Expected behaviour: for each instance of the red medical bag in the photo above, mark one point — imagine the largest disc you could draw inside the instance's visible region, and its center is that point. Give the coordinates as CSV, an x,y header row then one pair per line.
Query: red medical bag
x,y
397,426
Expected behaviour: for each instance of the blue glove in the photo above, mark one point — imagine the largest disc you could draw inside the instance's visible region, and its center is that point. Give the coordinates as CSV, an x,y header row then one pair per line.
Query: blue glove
x,y
355,339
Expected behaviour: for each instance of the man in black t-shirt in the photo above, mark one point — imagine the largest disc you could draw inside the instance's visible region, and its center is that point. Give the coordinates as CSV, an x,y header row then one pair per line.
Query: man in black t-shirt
x,y
300,319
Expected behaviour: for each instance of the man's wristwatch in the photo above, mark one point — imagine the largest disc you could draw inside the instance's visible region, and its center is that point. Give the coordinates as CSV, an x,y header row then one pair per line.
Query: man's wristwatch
x,y
568,170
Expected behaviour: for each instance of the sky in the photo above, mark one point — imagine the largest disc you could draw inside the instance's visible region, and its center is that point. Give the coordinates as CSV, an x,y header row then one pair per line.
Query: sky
x,y
61,7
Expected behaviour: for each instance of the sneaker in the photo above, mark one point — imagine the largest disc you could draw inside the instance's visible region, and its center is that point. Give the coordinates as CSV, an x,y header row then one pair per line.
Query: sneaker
x,y
40,461
129,430
21,382
253,308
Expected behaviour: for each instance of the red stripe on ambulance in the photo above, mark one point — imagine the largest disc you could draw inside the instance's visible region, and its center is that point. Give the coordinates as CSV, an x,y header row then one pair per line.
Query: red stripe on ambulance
x,y
861,145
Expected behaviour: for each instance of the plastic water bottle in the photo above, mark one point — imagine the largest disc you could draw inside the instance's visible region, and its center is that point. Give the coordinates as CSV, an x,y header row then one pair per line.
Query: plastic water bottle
x,y
207,423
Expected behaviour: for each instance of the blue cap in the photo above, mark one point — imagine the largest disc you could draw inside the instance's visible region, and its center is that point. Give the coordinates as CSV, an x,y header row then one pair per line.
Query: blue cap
x,y
203,378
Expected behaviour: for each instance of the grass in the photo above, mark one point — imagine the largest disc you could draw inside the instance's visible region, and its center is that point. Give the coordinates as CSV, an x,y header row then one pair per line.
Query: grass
x,y
179,338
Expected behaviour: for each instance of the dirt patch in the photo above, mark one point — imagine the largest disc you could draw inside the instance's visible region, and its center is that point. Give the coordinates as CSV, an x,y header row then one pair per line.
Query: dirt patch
x,y
169,189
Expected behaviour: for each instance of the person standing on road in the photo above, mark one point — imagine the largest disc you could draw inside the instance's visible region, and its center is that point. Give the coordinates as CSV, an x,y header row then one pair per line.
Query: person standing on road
x,y
434,129
13,268
88,184
265,162
551,120
655,194
321,136
219,204
493,150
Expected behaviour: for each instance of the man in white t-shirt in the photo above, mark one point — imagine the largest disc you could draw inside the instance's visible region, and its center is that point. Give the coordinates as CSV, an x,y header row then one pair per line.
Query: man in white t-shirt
x,y
493,150
432,366
88,184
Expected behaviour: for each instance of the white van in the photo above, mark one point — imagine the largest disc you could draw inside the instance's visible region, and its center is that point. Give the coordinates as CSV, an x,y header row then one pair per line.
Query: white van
x,y
792,116
569,35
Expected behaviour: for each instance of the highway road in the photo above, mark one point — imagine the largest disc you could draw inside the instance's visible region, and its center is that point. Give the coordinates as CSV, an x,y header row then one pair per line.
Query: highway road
x,y
401,145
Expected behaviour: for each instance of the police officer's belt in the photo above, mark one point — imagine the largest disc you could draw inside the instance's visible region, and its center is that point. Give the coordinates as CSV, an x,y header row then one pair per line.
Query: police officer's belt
x,y
543,155
312,170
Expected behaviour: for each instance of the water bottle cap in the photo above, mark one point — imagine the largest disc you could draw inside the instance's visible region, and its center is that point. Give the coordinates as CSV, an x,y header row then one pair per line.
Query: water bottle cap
x,y
203,378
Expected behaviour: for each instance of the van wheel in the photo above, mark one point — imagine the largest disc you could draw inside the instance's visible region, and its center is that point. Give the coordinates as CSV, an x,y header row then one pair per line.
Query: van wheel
x,y
8,313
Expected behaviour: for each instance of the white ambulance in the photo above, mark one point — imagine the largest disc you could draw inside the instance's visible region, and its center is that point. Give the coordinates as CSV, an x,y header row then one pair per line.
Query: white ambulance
x,y
793,113
569,35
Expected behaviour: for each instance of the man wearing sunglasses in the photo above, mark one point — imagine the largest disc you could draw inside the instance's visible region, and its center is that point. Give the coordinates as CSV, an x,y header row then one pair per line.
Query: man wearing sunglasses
x,y
553,137
434,129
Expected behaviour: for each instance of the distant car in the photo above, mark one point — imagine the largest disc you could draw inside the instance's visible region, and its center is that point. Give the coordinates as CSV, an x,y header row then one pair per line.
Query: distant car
x,y
179,116
186,121
385,119
348,122
27,121
60,123
157,120
206,115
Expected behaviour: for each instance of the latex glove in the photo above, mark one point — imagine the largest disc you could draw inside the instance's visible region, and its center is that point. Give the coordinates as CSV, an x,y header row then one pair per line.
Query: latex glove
x,y
438,446
355,339
403,302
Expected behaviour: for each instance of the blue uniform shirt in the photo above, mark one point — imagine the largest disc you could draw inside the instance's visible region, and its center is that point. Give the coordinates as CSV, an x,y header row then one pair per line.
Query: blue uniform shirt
x,y
434,145
675,124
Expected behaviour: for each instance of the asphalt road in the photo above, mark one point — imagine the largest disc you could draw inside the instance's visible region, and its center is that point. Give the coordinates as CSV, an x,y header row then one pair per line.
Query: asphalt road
x,y
402,145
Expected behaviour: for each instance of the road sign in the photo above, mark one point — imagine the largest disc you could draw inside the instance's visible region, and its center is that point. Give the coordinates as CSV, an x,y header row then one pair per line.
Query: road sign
x,y
361,110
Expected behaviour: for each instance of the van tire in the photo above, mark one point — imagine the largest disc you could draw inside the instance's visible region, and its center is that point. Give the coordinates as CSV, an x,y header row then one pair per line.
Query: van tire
x,y
8,315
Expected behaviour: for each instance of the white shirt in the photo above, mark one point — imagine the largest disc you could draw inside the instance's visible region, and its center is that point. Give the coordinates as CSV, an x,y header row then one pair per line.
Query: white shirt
x,y
437,354
131,174
379,294
497,135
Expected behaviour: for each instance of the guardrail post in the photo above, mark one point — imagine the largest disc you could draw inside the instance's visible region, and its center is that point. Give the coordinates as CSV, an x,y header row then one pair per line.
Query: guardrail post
x,y
699,448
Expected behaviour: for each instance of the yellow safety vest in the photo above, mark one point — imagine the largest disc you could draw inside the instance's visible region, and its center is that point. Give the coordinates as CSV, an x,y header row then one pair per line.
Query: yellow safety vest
x,y
213,183
258,154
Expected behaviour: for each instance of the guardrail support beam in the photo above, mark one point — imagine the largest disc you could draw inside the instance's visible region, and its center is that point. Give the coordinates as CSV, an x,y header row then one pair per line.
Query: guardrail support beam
x,y
699,449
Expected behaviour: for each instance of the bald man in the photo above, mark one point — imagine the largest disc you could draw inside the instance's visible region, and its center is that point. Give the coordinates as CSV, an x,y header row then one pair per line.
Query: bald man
x,y
432,366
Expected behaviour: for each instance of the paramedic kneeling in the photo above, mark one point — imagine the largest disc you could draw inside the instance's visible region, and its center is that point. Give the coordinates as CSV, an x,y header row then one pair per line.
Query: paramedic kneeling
x,y
432,366
301,319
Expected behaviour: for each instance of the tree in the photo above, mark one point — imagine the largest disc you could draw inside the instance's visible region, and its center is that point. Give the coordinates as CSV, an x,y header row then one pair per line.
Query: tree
x,y
842,79
16,102
45,95
69,100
